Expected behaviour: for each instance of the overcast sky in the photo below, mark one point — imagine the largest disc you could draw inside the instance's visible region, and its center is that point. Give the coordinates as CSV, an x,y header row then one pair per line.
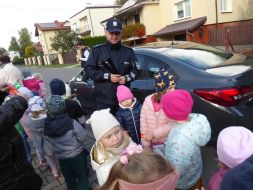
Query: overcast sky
x,y
17,14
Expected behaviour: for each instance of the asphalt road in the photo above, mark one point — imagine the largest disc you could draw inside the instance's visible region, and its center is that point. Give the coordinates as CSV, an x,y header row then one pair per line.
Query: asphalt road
x,y
208,153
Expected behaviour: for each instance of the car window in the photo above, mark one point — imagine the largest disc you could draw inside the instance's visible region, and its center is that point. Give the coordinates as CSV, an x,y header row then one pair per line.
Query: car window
x,y
199,58
143,66
153,66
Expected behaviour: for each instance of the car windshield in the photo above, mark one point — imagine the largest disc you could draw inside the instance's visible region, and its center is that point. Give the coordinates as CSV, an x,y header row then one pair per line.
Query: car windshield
x,y
199,57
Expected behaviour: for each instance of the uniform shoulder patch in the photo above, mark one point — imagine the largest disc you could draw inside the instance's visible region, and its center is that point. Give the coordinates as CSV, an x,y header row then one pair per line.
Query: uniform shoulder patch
x,y
97,46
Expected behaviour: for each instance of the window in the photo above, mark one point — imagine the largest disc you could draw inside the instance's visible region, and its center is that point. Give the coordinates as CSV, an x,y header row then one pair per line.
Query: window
x,y
143,68
182,9
125,21
153,66
226,5
137,19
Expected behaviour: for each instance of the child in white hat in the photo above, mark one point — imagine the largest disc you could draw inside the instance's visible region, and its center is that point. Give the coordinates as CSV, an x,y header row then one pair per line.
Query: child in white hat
x,y
110,142
35,122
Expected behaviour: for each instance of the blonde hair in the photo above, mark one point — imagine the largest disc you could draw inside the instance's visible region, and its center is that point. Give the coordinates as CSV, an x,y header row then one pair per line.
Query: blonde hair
x,y
159,95
142,168
38,76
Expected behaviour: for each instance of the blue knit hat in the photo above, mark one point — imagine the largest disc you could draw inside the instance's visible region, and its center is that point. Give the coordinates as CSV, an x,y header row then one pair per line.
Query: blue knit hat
x,y
57,87
26,73
55,105
163,80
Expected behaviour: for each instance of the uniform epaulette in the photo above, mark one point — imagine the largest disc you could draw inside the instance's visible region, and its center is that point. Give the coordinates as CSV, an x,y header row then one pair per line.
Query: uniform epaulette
x,y
98,45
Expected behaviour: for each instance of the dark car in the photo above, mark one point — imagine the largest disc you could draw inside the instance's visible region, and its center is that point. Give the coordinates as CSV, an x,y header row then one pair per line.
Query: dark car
x,y
219,82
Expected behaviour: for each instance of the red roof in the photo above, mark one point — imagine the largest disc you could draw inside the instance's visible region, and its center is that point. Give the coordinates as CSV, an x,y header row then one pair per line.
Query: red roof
x,y
50,26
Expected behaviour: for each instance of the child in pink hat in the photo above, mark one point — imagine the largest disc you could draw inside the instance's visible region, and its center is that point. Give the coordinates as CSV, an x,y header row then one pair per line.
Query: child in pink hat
x,y
190,131
234,145
128,113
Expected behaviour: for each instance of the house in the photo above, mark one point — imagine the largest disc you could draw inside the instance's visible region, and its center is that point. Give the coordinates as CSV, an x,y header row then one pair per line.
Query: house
x,y
45,31
217,22
87,21
136,14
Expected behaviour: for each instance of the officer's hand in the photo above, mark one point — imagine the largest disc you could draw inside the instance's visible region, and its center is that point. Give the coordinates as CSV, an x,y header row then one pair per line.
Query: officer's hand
x,y
115,78
122,80
4,87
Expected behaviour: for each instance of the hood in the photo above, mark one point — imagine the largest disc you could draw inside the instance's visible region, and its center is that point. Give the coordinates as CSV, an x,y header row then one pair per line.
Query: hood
x,y
58,125
197,129
150,101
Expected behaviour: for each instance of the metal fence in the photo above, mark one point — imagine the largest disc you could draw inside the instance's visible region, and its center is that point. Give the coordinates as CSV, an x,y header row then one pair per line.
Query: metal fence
x,y
237,39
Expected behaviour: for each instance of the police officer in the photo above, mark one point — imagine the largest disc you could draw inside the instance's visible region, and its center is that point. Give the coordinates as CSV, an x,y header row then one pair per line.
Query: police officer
x,y
110,65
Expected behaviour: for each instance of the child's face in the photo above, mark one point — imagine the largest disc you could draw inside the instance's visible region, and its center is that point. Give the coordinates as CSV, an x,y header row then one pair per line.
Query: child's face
x,y
113,138
127,102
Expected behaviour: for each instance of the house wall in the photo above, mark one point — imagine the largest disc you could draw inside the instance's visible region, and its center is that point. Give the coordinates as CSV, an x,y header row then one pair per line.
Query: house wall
x,y
46,41
151,18
94,17
241,10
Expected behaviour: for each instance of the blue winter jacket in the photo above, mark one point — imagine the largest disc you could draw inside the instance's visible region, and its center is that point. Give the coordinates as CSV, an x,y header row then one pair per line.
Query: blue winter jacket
x,y
129,119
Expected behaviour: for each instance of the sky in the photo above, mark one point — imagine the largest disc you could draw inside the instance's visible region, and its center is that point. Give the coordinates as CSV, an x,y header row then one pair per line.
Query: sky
x,y
17,14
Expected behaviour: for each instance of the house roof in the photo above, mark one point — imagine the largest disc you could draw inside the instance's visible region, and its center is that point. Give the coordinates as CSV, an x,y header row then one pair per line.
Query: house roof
x,y
50,26
135,7
96,7
185,26
130,6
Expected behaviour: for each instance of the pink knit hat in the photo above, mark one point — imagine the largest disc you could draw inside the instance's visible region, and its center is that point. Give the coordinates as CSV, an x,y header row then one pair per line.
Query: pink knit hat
x,y
123,93
234,145
177,104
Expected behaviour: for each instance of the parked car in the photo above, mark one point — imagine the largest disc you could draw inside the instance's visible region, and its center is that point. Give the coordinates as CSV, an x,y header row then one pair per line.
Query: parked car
x,y
220,83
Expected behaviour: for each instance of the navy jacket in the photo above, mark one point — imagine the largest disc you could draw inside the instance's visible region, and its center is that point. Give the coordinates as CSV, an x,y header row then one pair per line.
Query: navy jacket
x,y
239,177
129,119
107,59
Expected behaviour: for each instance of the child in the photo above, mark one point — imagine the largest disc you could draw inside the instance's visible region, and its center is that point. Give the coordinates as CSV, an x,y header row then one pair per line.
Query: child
x,y
35,121
128,114
141,169
110,141
42,85
73,107
153,120
189,132
65,138
30,82
234,145
239,177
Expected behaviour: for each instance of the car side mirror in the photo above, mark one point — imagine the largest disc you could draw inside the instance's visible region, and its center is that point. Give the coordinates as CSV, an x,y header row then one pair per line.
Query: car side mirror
x,y
79,78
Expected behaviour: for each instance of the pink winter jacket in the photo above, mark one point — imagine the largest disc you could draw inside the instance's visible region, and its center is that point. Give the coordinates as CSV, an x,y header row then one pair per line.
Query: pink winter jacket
x,y
31,83
154,119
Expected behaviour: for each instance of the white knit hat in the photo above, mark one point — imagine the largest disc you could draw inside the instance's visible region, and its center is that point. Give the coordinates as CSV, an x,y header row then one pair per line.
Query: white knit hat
x,y
101,122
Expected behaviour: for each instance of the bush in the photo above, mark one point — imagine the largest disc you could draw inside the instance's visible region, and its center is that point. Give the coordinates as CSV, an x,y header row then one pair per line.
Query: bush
x,y
92,41
133,30
18,61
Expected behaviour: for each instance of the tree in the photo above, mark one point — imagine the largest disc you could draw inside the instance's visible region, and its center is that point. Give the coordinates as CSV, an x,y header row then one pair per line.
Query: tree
x,y
2,51
120,2
30,51
24,40
14,46
64,41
